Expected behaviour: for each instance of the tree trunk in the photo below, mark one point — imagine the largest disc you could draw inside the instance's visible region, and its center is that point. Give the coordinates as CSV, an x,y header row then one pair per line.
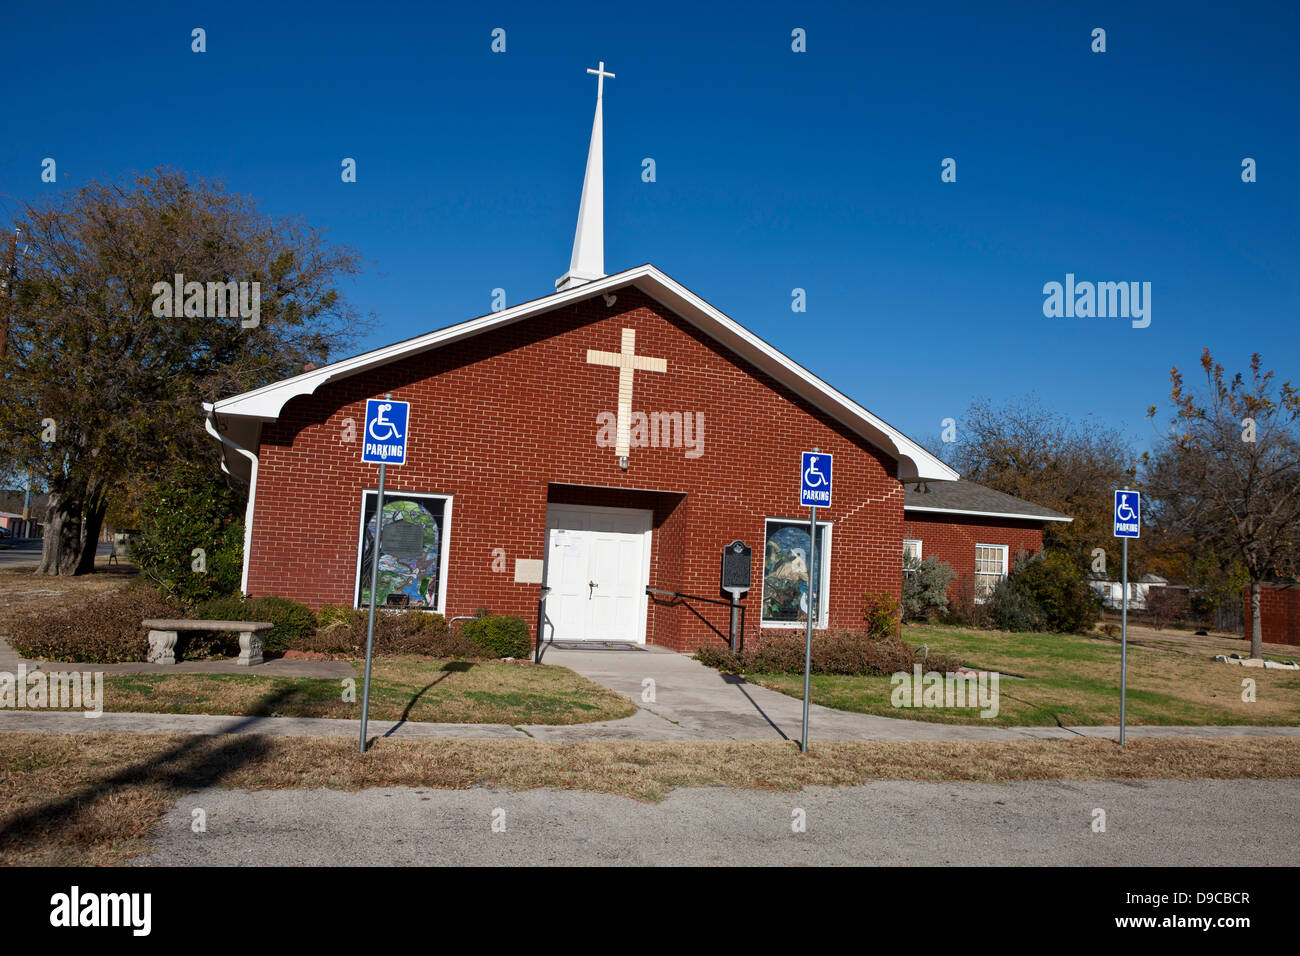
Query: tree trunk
x,y
61,545
93,525
1256,638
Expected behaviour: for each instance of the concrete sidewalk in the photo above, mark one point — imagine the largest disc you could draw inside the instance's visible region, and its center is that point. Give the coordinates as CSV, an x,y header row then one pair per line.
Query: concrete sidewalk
x,y
642,725
690,702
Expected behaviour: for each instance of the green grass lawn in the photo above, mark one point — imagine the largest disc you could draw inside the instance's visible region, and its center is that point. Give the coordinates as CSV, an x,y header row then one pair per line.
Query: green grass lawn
x,y
1068,679
410,688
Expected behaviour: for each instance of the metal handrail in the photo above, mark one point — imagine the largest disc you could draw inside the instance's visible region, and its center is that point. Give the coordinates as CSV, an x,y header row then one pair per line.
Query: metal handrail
x,y
735,605
541,622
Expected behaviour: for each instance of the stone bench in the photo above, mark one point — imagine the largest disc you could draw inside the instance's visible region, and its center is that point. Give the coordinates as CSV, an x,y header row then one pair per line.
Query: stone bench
x,y
164,632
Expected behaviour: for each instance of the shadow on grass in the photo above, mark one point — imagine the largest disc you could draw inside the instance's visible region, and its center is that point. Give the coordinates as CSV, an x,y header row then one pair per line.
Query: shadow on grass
x,y
451,667
202,761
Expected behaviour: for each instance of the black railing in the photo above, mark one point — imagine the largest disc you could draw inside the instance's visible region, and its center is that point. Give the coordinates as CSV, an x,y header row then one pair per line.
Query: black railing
x,y
541,623
674,596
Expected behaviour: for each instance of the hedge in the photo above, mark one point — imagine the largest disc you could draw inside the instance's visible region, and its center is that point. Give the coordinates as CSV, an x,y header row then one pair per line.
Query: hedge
x,y
106,630
833,653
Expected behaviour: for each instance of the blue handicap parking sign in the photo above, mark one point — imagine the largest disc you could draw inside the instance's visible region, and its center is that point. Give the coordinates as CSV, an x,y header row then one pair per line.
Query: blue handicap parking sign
x,y
815,480
385,438
1128,514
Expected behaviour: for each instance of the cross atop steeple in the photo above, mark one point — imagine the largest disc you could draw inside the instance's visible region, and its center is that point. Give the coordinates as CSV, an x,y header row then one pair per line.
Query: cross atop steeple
x,y
588,261
600,73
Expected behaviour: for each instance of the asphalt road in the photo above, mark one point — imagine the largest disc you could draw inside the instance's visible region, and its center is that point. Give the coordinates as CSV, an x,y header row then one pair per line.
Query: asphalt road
x,y
27,551
1201,823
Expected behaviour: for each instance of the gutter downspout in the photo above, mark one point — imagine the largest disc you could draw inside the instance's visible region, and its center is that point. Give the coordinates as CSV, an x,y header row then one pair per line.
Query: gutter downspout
x,y
209,423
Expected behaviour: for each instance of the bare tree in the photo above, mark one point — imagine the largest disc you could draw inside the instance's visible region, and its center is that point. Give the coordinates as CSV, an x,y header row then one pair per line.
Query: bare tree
x,y
1041,455
1227,476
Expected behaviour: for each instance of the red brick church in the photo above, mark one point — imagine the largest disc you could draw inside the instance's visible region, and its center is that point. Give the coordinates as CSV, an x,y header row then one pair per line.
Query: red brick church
x,y
600,441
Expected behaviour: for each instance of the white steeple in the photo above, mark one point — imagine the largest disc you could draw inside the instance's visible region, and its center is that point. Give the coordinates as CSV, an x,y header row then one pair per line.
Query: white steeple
x,y
588,260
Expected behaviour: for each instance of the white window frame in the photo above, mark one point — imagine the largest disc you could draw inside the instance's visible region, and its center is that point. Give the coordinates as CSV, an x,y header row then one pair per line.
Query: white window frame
x,y
443,558
1005,567
824,596
915,541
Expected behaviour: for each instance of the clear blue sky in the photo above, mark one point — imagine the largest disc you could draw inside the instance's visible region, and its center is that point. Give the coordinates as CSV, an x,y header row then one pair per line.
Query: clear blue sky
x,y
776,170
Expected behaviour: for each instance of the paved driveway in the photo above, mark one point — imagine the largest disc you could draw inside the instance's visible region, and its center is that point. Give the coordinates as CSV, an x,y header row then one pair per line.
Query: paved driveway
x,y
1148,823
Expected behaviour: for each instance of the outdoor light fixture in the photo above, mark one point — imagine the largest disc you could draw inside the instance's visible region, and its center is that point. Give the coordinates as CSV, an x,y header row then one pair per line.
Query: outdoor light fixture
x,y
622,462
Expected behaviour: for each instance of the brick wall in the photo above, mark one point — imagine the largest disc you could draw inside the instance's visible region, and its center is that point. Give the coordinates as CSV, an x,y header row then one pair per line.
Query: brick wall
x,y
1279,613
952,538
507,420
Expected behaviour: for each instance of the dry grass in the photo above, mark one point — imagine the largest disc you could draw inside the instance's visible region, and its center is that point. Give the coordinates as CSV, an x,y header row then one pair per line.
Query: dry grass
x,y
20,588
93,799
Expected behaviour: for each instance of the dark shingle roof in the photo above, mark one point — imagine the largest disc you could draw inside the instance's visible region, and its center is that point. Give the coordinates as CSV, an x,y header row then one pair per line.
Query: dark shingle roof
x,y
969,498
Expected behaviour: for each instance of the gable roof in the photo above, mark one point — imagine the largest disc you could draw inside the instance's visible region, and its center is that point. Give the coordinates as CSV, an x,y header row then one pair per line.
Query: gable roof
x,y
969,498
266,403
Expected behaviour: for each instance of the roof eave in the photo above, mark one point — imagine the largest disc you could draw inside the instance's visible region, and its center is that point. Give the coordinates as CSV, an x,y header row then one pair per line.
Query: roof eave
x,y
987,514
914,462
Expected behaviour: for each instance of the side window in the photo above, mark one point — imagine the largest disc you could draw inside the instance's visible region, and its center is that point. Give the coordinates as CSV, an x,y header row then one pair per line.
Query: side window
x,y
990,568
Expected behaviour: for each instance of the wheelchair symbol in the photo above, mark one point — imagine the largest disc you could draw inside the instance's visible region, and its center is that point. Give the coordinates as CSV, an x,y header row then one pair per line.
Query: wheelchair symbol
x,y
391,431
812,477
1124,512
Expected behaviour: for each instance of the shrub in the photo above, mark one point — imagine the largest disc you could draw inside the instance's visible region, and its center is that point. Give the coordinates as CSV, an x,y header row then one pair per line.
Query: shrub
x,y
832,653
293,622
1059,588
881,615
1012,608
925,588
1166,605
963,610
1044,592
192,509
499,635
342,630
105,630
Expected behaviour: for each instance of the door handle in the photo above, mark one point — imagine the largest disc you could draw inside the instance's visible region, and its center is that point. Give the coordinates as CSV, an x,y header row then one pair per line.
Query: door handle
x,y
590,586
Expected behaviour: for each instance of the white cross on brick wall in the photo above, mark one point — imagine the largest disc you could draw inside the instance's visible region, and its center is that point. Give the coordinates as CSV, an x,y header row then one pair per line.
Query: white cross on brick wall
x,y
627,362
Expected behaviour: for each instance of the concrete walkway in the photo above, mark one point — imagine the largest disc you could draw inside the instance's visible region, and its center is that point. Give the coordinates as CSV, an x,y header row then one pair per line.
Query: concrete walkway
x,y
689,702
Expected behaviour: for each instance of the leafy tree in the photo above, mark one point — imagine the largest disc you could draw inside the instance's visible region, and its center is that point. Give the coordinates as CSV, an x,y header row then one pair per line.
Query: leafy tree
x,y
192,510
95,389
1227,476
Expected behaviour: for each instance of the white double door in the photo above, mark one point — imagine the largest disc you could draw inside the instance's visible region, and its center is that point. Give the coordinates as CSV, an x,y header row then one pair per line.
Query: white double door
x,y
597,567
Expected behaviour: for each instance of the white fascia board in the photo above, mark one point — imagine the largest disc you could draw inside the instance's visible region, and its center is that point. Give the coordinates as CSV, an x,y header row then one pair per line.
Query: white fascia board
x,y
914,462
268,401
984,514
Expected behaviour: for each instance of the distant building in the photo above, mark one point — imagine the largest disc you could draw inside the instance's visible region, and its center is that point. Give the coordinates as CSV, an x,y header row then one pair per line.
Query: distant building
x,y
1112,592
976,530
11,513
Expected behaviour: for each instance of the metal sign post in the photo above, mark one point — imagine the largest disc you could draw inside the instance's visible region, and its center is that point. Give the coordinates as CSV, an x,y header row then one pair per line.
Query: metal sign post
x,y
814,490
1128,524
385,441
